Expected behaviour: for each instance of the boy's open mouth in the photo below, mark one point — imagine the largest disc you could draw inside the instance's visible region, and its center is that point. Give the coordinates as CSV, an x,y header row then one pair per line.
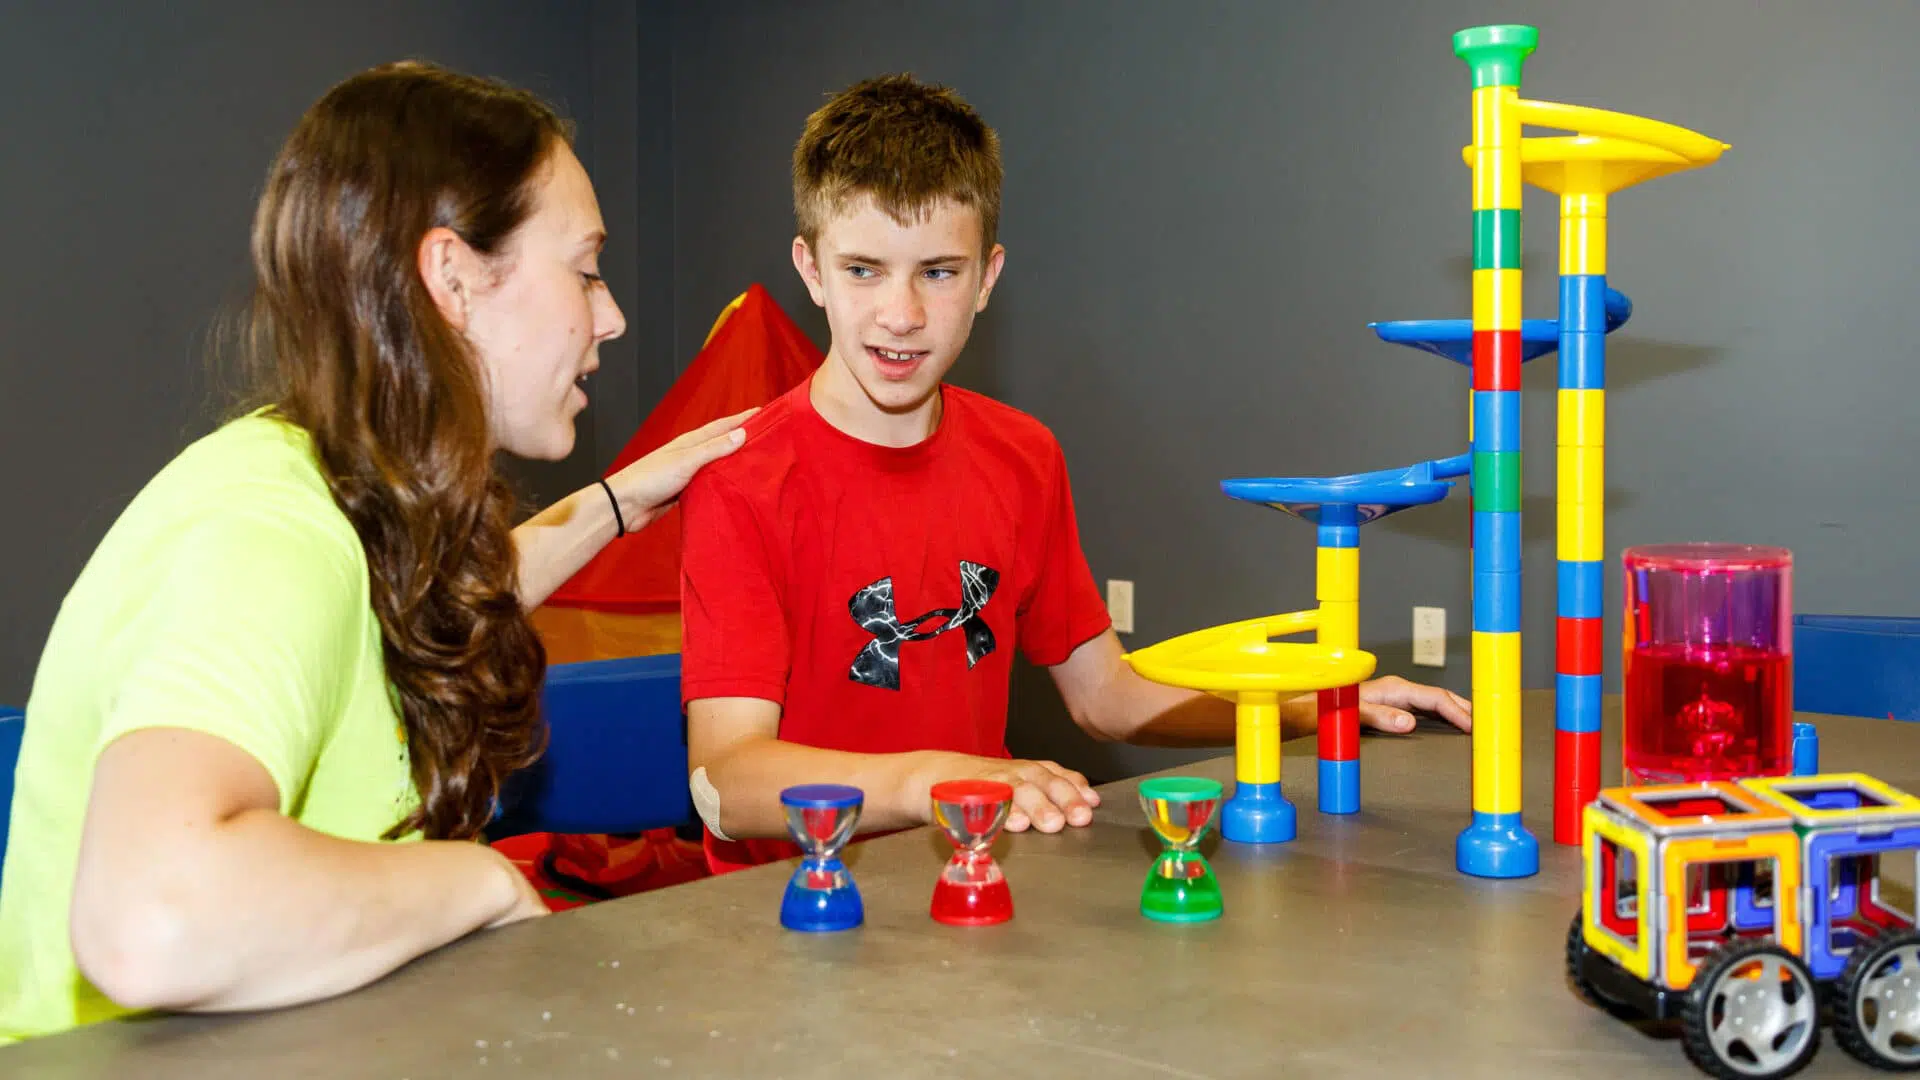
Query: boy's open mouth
x,y
896,363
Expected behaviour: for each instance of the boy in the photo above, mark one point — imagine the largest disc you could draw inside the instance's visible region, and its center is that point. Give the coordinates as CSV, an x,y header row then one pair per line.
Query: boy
x,y
857,577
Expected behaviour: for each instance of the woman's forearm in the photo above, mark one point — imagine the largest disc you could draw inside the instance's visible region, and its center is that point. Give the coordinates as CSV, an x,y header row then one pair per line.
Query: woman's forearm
x,y
259,912
555,543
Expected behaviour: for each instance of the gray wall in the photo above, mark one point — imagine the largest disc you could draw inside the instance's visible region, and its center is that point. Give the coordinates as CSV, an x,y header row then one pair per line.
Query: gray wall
x,y
137,136
1206,204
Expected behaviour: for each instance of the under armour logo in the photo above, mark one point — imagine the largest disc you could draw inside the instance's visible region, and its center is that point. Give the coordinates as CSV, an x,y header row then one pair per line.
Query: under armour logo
x,y
879,661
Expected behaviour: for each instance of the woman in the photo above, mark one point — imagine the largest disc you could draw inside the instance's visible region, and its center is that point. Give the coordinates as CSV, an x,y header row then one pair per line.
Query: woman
x,y
307,637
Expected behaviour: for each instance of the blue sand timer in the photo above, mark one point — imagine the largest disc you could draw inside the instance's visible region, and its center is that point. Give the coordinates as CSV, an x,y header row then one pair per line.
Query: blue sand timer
x,y
821,896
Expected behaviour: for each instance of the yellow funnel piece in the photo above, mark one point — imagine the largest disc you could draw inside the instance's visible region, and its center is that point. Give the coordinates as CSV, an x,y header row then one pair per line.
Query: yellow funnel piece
x,y
1240,658
1696,148
1591,164
1612,150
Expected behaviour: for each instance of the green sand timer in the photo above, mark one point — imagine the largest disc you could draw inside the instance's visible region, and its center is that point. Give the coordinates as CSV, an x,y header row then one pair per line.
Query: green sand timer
x,y
1181,886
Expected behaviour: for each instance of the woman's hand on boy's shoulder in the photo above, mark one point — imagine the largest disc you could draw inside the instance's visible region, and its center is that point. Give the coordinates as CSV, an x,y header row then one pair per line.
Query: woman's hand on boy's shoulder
x,y
649,486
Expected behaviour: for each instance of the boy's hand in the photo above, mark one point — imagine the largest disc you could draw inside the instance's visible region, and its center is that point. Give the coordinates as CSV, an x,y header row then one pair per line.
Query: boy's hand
x,y
1046,796
1384,704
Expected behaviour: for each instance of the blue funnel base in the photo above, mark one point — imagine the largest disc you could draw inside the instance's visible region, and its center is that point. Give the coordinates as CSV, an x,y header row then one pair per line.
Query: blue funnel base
x,y
821,910
1258,814
1356,498
1497,846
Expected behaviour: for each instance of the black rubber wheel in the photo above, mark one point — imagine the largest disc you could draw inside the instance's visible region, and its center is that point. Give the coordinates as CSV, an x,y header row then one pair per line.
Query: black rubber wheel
x,y
1751,1014
1576,951
1876,1002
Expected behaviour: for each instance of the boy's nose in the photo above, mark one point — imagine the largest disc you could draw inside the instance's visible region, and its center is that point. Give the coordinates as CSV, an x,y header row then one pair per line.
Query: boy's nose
x,y
902,312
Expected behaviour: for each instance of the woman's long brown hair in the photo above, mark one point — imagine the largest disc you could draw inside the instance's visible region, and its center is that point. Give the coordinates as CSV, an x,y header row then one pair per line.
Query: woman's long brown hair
x,y
356,353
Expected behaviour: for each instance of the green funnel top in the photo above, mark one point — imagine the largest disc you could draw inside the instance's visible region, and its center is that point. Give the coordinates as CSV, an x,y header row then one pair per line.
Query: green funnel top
x,y
1180,788
1494,53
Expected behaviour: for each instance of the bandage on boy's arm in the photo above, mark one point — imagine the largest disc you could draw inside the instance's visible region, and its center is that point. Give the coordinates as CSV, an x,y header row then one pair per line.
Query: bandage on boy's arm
x,y
736,741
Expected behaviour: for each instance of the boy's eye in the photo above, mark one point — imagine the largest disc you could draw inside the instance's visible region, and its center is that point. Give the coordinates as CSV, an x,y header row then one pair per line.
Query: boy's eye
x,y
591,278
860,272
940,273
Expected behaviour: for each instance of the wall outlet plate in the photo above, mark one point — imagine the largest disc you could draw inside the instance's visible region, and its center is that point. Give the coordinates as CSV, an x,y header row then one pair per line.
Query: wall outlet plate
x,y
1120,605
1430,636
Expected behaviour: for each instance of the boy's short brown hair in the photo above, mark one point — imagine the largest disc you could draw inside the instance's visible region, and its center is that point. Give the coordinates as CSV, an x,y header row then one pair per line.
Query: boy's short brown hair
x,y
905,143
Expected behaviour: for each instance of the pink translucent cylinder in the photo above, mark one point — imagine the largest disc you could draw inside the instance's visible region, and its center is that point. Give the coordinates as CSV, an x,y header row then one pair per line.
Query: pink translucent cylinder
x,y
1708,683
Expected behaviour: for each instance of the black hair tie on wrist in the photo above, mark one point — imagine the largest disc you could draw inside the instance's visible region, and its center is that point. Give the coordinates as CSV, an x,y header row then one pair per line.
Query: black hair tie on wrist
x,y
617,519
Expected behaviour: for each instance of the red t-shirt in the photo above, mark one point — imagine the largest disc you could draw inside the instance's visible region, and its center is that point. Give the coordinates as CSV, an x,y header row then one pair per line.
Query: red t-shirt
x,y
878,593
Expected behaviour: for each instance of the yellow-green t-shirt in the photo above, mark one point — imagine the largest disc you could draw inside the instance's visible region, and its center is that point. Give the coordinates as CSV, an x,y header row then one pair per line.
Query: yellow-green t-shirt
x,y
230,598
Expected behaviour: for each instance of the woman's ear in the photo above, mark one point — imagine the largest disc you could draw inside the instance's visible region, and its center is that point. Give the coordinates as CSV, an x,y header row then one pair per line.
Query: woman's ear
x,y
446,267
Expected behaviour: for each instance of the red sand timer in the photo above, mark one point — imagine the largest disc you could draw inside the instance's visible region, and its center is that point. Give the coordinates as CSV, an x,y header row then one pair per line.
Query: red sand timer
x,y
1709,663
972,891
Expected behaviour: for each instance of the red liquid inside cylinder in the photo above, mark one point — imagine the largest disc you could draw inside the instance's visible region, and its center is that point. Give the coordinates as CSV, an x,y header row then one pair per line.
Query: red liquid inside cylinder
x,y
1715,712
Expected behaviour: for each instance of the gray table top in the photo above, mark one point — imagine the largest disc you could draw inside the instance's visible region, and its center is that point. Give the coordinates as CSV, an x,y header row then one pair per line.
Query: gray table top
x,y
1356,950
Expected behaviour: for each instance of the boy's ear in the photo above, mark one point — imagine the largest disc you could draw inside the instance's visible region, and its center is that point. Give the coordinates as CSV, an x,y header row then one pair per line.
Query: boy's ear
x,y
809,268
995,260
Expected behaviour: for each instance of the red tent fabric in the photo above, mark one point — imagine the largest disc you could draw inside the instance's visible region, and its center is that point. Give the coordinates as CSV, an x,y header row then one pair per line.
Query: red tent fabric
x,y
754,355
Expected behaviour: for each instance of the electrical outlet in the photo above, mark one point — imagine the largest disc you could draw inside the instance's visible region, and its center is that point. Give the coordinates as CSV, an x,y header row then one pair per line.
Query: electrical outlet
x,y
1430,636
1120,605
